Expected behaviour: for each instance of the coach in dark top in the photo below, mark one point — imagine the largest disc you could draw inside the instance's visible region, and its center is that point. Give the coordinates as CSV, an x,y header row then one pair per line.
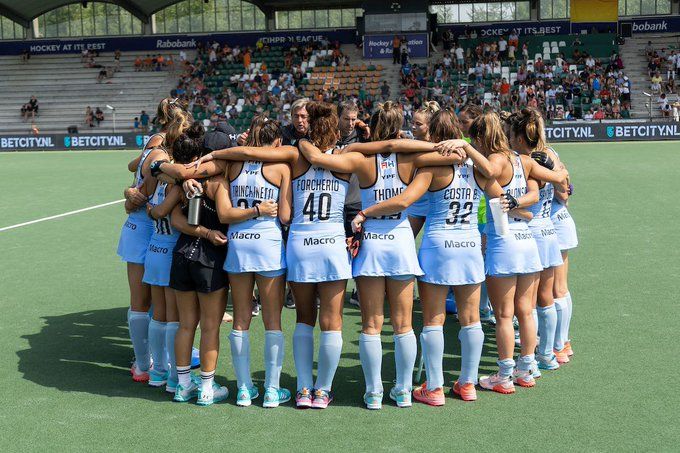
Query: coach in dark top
x,y
299,123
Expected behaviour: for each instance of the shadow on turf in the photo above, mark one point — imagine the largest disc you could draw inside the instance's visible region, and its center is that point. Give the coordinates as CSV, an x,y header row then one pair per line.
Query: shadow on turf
x,y
87,352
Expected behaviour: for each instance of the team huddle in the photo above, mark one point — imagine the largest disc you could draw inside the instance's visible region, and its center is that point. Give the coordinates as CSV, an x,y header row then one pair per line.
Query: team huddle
x,y
331,199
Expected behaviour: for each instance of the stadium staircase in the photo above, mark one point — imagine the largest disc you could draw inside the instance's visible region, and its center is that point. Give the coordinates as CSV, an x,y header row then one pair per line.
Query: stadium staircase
x,y
64,88
635,60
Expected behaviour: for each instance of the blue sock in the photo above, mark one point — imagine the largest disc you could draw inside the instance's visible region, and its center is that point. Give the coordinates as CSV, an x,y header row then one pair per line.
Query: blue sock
x,y
138,323
560,330
471,343
303,353
273,358
370,354
484,304
157,345
506,367
525,362
405,353
330,349
240,356
547,323
432,344
170,332
534,314
570,306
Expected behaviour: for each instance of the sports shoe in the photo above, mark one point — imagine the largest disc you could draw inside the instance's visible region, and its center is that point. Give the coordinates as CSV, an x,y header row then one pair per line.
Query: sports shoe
x,y
547,362
137,374
195,359
497,383
567,347
562,356
245,395
523,378
256,307
157,378
273,397
322,399
487,317
354,298
373,400
466,392
431,397
214,395
185,394
401,397
535,371
290,302
303,398
171,386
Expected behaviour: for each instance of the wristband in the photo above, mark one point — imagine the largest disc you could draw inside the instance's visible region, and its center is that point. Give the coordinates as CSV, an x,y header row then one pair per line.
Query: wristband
x,y
257,208
362,214
155,167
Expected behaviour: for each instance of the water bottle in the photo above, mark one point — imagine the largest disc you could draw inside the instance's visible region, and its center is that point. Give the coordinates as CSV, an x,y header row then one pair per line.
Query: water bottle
x,y
194,216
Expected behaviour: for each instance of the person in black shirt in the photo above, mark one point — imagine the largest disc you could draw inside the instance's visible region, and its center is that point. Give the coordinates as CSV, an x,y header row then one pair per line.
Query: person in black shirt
x,y
299,126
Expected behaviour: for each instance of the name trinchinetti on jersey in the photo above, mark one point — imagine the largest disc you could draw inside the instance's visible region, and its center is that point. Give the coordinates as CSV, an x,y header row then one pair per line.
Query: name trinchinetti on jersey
x,y
449,244
259,193
318,241
379,236
242,235
461,193
386,194
313,185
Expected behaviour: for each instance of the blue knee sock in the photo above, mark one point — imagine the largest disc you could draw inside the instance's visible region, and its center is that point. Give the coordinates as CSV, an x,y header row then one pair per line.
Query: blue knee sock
x,y
506,367
570,307
562,313
240,356
273,358
484,304
405,353
432,344
471,343
547,323
170,332
370,354
157,345
303,353
138,323
525,362
330,348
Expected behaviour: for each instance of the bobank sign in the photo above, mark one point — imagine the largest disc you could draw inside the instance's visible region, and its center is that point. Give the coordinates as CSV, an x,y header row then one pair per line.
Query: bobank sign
x,y
594,132
657,25
380,46
170,42
62,142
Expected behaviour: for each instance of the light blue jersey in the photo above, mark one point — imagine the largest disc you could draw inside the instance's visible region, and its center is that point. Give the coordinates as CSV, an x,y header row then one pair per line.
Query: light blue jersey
x,y
316,250
543,230
563,222
516,252
158,258
138,227
451,251
255,245
388,248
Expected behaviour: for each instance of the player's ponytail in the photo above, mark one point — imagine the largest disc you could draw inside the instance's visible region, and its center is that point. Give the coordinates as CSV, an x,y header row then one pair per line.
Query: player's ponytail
x,y
531,127
386,121
487,132
263,131
173,119
189,145
323,125
444,125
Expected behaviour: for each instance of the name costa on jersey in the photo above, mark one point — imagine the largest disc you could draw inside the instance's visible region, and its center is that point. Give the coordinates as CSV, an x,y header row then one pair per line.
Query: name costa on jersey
x,y
461,193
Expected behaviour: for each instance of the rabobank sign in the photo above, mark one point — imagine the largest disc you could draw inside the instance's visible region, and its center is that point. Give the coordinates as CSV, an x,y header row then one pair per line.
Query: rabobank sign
x,y
668,24
175,44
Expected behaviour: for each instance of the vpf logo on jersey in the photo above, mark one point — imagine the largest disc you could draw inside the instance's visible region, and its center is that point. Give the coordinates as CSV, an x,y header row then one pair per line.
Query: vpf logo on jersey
x,y
610,131
67,142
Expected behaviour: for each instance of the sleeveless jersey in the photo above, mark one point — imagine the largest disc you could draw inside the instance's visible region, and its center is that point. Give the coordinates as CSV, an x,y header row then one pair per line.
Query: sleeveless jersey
x,y
139,178
318,197
162,227
516,187
387,185
543,208
249,189
455,206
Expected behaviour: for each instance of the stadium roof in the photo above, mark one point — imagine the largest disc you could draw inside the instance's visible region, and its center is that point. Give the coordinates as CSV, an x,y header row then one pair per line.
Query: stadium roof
x,y
24,11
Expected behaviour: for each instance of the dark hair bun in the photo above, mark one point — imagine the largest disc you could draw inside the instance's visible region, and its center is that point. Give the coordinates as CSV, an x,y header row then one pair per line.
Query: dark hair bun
x,y
195,130
319,109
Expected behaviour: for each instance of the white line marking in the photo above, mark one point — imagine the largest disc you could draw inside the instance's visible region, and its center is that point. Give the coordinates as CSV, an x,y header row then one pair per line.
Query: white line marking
x,y
52,217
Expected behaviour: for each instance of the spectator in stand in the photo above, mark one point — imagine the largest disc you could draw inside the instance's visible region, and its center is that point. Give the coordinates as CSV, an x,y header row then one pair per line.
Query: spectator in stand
x,y
447,39
136,125
396,49
246,60
385,91
460,57
89,117
138,64
503,48
25,55
32,107
148,63
144,120
598,115
99,116
656,83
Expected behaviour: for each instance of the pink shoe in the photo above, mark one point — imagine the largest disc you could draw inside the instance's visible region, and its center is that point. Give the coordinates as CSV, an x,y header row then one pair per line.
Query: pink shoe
x,y
497,383
322,399
431,397
303,398
138,375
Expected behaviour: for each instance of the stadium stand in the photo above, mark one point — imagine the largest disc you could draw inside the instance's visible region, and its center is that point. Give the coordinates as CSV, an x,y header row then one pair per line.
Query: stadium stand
x,y
65,88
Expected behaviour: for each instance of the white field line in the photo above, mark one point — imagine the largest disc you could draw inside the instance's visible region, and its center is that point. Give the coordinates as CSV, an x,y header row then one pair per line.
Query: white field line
x,y
52,217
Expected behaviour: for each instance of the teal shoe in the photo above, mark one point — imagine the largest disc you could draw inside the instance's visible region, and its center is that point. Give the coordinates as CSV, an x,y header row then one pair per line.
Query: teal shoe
x,y
157,378
186,394
547,362
373,400
401,397
273,397
245,395
216,394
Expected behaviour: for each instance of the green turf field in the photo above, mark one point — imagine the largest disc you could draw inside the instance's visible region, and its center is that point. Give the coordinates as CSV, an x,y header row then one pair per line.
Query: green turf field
x,y
65,352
